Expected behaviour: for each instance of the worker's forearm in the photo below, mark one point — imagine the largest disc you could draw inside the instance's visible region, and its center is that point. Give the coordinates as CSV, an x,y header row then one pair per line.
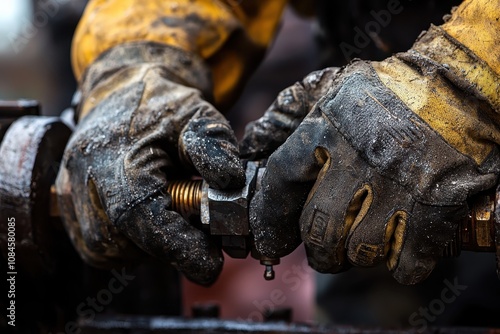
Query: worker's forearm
x,y
469,43
231,36
476,24
462,56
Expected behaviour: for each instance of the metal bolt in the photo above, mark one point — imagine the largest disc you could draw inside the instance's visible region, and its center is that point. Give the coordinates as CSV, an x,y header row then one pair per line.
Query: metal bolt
x,y
269,270
186,197
269,273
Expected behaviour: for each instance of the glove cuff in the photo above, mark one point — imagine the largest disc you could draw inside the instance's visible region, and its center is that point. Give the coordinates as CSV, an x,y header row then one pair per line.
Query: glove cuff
x,y
178,66
467,70
453,90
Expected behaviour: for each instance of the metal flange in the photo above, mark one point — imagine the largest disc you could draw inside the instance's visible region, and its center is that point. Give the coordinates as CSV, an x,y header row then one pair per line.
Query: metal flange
x,y
30,154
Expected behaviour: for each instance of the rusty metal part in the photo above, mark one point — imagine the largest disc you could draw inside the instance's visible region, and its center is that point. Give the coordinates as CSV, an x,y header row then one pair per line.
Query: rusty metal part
x,y
226,212
54,208
30,154
478,232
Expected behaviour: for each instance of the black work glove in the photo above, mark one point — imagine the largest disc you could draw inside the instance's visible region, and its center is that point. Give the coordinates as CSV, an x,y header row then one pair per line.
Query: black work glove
x,y
265,135
375,174
139,118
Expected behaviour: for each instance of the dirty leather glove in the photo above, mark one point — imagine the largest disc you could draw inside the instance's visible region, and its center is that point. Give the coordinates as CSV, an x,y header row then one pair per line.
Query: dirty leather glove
x,y
266,134
381,168
139,119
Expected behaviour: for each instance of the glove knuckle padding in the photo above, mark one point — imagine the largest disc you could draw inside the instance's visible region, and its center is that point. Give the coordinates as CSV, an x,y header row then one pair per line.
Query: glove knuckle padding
x,y
405,172
396,142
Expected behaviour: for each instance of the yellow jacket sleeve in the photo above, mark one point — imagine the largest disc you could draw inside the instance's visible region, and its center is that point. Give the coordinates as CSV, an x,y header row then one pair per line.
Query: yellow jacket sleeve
x,y
230,35
468,47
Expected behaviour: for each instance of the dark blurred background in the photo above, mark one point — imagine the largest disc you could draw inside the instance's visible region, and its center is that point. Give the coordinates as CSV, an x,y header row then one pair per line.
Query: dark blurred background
x,y
35,51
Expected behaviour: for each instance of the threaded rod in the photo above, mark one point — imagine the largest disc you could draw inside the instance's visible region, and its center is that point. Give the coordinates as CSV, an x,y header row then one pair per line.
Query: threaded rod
x,y
186,197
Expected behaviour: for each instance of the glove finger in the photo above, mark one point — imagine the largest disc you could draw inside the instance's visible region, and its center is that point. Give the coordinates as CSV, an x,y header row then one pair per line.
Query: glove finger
x,y
265,135
421,239
338,197
167,236
289,176
211,146
371,235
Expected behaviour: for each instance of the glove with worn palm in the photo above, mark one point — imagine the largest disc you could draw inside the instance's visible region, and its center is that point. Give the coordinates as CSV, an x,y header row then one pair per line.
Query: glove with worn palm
x,y
143,113
382,166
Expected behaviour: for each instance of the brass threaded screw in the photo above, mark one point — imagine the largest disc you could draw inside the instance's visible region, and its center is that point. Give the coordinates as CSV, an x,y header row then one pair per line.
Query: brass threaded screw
x,y
186,196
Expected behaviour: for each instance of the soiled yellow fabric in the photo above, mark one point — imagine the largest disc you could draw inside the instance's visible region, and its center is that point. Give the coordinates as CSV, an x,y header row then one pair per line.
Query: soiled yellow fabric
x,y
468,45
476,24
457,119
230,35
444,49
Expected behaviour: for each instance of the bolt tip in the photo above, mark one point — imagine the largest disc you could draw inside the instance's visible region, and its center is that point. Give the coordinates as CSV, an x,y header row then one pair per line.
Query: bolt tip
x,y
269,273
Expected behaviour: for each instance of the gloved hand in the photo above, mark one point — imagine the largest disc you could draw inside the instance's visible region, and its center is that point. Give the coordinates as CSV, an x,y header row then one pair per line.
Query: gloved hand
x,y
139,119
382,166
265,135
146,69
